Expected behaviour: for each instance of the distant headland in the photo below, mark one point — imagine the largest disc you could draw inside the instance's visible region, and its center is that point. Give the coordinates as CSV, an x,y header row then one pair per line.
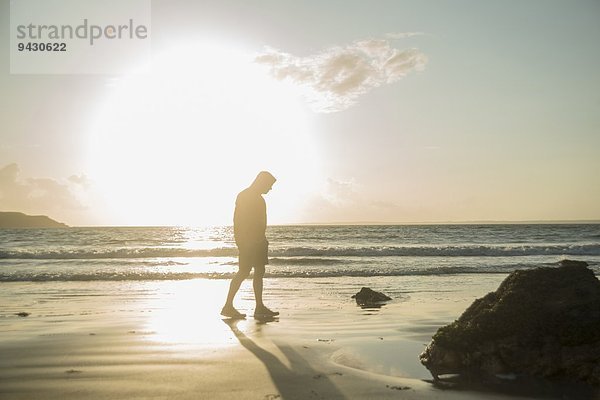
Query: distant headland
x,y
20,220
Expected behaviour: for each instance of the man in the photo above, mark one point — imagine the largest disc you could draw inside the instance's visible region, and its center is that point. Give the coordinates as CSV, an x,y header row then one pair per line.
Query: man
x,y
249,227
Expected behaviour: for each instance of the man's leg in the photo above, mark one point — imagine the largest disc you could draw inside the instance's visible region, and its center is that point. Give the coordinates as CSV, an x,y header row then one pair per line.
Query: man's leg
x,y
234,286
257,283
261,310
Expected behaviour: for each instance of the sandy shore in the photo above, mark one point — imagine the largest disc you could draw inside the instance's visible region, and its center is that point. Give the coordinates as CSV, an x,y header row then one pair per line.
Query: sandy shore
x,y
165,340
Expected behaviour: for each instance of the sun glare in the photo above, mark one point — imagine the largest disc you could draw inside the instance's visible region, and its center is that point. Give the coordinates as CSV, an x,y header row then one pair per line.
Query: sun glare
x,y
183,313
175,145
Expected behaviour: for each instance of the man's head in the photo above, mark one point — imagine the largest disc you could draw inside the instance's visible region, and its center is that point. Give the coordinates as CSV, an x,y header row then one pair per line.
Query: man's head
x,y
263,182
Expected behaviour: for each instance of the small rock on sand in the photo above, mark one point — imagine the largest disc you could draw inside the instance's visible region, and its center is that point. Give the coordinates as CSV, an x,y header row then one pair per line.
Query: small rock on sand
x,y
368,296
398,387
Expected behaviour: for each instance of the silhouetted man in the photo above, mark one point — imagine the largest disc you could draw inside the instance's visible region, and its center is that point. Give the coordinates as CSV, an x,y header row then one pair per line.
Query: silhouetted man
x,y
249,227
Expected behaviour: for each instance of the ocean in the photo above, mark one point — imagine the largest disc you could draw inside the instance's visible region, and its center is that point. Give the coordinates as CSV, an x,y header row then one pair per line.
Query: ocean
x,y
182,253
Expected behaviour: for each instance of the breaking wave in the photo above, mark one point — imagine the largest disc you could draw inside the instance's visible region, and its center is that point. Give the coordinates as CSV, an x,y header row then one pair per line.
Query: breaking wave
x,y
374,251
146,275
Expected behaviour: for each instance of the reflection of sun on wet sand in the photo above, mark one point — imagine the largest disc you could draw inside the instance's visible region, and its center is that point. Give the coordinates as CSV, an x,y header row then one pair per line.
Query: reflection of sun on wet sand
x,y
167,340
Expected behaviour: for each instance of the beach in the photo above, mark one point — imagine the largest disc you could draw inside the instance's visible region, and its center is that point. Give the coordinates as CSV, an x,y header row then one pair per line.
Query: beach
x,y
105,313
166,339
156,155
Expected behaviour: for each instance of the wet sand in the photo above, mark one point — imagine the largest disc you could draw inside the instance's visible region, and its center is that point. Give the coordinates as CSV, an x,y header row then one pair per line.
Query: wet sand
x,y
166,340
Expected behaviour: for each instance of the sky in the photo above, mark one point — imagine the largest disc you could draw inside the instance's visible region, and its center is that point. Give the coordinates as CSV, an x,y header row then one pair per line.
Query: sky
x,y
366,112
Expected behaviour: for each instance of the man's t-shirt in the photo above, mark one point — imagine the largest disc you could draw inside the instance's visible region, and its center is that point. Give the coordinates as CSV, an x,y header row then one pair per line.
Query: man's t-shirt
x,y
249,227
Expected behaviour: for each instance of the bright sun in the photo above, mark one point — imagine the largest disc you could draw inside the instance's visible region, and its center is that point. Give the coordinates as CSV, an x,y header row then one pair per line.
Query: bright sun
x,y
174,145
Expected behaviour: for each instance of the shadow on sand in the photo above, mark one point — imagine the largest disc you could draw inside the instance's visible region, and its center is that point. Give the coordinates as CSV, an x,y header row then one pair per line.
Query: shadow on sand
x,y
300,380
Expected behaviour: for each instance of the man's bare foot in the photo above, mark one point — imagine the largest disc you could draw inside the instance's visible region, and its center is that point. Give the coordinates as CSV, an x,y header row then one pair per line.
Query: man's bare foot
x,y
264,312
231,312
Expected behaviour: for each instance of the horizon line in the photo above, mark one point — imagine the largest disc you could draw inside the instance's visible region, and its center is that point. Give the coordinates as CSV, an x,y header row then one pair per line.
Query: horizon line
x,y
373,223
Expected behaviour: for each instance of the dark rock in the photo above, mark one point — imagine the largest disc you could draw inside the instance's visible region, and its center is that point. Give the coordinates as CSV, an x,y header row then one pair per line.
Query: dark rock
x,y
543,323
572,263
367,297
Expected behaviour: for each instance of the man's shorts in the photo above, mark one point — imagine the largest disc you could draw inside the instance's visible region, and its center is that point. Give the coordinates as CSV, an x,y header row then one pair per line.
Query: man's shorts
x,y
253,255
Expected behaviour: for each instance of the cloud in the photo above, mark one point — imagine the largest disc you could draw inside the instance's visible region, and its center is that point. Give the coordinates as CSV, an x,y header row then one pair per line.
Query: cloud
x,y
39,195
402,35
336,77
339,192
81,180
349,201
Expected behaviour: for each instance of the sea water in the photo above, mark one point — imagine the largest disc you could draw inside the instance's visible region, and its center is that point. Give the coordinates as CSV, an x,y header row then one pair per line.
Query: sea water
x,y
181,253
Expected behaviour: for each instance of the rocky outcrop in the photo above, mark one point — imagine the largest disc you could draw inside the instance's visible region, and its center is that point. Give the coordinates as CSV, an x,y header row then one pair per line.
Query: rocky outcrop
x,y
369,297
20,220
543,323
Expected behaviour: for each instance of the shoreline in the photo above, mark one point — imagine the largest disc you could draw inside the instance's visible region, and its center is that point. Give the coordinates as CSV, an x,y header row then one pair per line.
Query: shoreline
x,y
166,340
